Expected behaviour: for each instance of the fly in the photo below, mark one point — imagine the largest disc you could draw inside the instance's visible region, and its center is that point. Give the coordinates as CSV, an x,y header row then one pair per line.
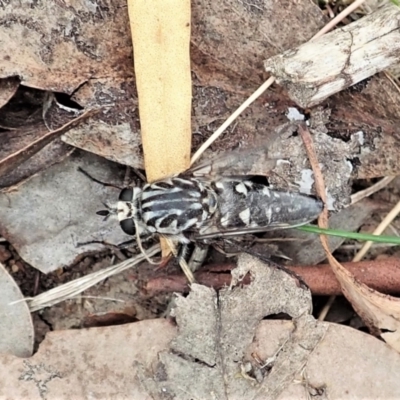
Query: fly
x,y
198,205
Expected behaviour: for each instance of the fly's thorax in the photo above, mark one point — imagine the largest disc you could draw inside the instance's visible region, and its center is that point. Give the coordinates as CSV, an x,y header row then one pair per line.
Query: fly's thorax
x,y
175,205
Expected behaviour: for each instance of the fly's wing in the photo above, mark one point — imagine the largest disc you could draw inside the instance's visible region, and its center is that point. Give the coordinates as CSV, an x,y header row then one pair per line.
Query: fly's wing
x,y
253,160
248,207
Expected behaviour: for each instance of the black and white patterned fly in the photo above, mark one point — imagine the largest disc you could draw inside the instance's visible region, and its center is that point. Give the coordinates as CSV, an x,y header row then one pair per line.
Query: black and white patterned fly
x,y
199,205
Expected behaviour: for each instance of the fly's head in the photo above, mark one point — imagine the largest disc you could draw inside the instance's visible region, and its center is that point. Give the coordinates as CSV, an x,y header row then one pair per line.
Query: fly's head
x,y
126,210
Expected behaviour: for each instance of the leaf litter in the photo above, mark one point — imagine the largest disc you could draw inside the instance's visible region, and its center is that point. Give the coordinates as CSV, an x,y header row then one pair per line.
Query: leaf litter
x,y
220,349
88,129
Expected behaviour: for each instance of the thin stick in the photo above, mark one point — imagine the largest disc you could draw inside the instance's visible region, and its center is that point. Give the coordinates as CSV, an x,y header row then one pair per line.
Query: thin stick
x,y
71,289
381,227
331,24
356,197
362,252
232,118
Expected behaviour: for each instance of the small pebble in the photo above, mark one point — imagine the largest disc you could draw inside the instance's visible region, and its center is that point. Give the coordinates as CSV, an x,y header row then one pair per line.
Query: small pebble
x,y
4,254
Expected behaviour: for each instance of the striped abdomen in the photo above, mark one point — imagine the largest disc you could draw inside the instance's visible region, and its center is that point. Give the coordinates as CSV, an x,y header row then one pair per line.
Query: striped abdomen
x,y
246,206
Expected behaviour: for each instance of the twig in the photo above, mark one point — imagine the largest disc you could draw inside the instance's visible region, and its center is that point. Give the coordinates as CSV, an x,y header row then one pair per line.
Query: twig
x,y
331,24
232,118
381,227
356,197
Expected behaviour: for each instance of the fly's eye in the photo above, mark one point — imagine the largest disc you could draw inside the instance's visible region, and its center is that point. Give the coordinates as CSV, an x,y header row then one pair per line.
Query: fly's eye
x,y
126,194
128,226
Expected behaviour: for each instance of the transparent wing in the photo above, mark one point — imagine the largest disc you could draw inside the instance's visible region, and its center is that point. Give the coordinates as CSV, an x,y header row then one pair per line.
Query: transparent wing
x,y
256,159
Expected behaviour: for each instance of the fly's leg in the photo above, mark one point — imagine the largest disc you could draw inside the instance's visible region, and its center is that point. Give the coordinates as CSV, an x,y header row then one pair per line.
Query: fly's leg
x,y
127,180
182,262
196,260
198,256
220,245
182,253
128,246
231,247
120,246
96,180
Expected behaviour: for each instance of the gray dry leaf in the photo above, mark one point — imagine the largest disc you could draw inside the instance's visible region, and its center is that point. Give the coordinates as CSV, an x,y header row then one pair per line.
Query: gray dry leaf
x,y
16,327
114,132
216,329
47,216
36,141
333,155
77,42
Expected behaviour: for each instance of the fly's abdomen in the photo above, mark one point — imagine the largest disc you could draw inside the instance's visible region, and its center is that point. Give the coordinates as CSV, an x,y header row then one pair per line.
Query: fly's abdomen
x,y
246,205
175,205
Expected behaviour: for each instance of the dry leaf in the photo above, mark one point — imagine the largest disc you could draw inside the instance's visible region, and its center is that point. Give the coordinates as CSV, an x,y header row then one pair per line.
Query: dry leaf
x,y
217,353
75,43
82,49
161,37
380,312
231,38
35,138
16,327
346,364
114,133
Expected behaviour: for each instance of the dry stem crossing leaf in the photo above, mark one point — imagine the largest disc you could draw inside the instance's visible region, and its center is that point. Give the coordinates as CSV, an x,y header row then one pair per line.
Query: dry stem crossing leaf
x,y
378,311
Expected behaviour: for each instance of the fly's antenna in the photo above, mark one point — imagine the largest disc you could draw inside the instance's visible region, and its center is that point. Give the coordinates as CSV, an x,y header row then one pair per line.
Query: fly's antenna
x,y
142,250
108,212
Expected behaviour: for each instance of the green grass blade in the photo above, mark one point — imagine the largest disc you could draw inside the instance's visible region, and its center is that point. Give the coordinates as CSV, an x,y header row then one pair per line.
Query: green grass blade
x,y
351,235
